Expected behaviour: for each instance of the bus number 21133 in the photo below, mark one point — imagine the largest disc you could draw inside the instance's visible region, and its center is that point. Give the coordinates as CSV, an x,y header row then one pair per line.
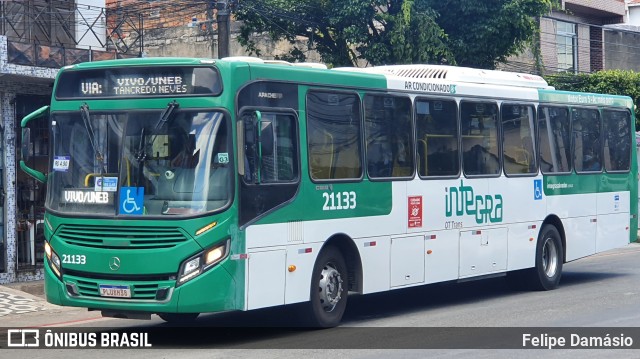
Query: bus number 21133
x,y
339,200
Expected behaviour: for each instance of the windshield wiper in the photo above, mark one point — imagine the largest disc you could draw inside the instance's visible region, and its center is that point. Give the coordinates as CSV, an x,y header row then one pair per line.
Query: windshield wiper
x,y
141,153
84,113
164,117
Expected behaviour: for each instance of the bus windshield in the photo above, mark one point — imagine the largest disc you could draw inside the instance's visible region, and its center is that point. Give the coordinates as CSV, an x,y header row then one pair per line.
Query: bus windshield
x,y
171,162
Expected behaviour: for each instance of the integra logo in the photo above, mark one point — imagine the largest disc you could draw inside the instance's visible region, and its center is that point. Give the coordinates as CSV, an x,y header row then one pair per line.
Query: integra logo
x,y
462,200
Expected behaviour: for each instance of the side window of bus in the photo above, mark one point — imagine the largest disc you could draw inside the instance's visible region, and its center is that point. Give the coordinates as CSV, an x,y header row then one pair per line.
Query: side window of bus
x,y
585,124
437,137
617,140
554,139
518,150
270,155
278,148
479,125
333,131
268,158
388,136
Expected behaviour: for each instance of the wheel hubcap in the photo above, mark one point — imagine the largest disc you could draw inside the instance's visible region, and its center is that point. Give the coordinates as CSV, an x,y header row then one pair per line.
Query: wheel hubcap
x,y
550,257
330,287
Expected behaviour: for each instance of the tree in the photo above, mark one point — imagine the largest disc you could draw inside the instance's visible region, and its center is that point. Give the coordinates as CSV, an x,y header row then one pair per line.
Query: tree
x,y
482,33
465,32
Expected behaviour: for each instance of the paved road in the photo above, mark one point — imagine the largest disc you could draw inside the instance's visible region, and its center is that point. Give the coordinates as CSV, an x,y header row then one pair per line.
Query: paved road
x,y
599,291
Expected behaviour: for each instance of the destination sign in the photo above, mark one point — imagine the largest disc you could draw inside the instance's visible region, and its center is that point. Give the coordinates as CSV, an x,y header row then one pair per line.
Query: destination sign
x,y
139,82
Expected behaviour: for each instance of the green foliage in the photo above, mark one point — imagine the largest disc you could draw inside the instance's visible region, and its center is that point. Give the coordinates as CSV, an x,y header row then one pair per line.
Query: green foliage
x,y
613,82
482,33
465,32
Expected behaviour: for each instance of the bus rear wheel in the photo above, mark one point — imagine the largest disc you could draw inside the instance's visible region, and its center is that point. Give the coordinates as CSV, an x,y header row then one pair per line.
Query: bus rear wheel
x,y
178,318
549,259
329,289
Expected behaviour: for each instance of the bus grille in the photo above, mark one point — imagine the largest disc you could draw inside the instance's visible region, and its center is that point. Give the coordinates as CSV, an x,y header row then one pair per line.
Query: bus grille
x,y
121,237
138,291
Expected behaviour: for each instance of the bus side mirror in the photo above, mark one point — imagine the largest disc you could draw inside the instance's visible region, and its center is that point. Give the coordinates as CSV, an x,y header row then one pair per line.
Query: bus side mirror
x,y
26,144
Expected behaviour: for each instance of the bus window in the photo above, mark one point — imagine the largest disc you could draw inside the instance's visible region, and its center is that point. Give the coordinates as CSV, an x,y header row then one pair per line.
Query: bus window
x,y
388,136
333,133
91,145
518,151
479,122
617,140
270,166
586,140
553,139
437,137
279,159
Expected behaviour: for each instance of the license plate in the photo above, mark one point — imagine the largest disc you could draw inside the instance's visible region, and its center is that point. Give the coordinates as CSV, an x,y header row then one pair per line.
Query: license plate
x,y
118,291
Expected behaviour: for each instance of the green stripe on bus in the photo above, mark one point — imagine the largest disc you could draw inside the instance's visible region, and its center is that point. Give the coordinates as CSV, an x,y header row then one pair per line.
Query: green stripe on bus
x,y
584,98
318,201
586,183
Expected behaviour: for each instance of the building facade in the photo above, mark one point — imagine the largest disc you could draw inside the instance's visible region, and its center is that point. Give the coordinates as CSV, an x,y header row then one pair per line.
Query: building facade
x,y
37,38
580,37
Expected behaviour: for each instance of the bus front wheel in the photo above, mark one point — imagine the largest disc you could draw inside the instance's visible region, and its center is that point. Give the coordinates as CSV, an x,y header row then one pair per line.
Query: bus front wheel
x,y
329,289
549,259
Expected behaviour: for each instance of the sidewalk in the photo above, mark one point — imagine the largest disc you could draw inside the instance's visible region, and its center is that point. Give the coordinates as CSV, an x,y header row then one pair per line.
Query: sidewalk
x,y
24,305
20,298
35,287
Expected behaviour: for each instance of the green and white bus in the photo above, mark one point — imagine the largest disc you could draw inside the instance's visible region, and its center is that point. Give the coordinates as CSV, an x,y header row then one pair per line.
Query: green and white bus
x,y
181,186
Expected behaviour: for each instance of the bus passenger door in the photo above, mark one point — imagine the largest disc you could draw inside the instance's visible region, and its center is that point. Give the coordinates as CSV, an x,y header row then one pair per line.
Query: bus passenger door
x,y
268,168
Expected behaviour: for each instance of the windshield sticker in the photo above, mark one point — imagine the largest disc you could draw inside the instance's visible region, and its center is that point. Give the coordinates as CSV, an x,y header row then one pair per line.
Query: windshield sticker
x,y
223,157
84,196
106,184
131,200
61,163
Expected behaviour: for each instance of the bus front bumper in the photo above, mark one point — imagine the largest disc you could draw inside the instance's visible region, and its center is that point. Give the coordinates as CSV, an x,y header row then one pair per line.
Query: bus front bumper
x,y
212,291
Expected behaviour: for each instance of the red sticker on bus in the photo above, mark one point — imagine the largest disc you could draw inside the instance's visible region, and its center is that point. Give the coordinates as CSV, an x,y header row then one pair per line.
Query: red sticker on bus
x,y
415,211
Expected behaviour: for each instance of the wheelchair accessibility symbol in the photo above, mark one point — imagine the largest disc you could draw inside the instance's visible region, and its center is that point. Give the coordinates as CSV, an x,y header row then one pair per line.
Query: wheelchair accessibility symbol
x,y
131,200
537,189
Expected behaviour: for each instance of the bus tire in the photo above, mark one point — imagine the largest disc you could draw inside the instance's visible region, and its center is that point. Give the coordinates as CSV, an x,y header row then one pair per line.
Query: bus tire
x,y
549,259
329,290
178,318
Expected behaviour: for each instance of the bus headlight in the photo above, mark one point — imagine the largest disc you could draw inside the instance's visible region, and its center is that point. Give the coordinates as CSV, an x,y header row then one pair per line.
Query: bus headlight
x,y
199,263
53,259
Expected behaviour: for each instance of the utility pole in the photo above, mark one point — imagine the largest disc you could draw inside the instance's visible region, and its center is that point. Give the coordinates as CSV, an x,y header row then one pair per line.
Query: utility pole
x,y
209,26
222,18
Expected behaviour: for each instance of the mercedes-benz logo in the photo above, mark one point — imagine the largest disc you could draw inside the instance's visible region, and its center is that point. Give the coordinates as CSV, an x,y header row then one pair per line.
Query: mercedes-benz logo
x,y
114,263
